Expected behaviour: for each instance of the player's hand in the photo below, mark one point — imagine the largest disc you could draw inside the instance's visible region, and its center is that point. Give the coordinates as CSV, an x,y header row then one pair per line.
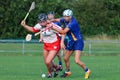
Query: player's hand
x,y
53,20
23,23
40,40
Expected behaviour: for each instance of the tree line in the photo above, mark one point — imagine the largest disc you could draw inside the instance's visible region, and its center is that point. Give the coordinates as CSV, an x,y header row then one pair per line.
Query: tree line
x,y
96,17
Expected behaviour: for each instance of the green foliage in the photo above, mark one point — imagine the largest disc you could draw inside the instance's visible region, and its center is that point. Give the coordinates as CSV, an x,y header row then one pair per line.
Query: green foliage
x,y
95,16
99,16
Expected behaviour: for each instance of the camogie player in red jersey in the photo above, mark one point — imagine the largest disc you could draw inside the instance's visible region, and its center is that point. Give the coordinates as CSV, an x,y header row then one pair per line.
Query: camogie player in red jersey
x,y
50,39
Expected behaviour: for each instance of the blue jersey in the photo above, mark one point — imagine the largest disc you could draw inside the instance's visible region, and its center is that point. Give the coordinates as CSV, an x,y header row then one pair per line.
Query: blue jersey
x,y
73,27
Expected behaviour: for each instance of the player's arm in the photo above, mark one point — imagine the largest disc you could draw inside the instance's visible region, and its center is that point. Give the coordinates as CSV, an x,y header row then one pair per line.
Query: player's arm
x,y
55,20
62,31
41,37
62,41
29,28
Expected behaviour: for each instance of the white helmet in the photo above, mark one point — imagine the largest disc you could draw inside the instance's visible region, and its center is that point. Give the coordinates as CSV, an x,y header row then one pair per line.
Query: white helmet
x,y
68,12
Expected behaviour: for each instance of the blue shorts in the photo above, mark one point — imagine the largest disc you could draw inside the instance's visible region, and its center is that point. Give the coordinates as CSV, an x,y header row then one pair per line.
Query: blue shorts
x,y
75,45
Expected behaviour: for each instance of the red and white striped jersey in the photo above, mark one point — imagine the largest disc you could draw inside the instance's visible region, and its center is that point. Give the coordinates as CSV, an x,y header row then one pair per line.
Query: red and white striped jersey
x,y
48,35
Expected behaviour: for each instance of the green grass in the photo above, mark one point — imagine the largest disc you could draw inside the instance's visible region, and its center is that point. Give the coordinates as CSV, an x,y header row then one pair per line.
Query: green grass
x,y
16,66
31,68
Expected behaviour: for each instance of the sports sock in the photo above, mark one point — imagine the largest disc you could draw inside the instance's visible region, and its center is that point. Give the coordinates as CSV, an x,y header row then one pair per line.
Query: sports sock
x,y
86,69
60,63
67,70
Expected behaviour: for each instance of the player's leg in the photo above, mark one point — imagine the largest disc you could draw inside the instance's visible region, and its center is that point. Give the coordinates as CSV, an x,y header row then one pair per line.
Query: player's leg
x,y
78,47
56,68
60,60
67,63
77,59
45,57
80,63
51,55
66,59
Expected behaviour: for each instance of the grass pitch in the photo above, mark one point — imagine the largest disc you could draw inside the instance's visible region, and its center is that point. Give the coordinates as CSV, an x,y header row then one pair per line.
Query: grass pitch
x,y
32,67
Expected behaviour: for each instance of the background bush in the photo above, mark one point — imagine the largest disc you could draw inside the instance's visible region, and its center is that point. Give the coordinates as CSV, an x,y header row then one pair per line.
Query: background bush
x,y
96,17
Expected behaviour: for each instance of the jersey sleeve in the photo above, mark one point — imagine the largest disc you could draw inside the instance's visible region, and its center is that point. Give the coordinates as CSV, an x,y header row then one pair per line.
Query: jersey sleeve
x,y
70,26
62,23
61,20
58,23
37,27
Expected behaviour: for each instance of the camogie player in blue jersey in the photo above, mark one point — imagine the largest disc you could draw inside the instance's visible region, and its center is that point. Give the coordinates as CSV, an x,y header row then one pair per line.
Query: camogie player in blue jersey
x,y
76,43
